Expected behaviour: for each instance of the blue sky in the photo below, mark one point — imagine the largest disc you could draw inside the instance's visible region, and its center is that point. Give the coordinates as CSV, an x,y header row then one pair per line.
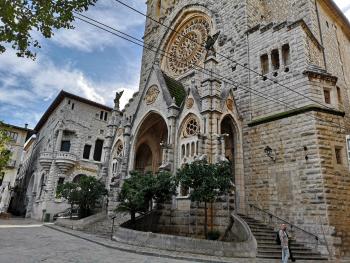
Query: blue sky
x,y
85,61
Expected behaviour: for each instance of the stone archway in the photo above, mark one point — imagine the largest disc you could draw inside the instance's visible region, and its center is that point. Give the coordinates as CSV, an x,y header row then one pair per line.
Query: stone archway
x,y
78,177
148,151
30,196
229,130
233,151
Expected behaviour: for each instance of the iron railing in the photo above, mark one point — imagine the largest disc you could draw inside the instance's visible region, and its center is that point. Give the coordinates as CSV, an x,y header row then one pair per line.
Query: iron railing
x,y
302,236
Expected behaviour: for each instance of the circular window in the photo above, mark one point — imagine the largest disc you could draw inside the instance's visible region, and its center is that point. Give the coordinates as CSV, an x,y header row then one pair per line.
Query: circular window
x,y
191,127
186,47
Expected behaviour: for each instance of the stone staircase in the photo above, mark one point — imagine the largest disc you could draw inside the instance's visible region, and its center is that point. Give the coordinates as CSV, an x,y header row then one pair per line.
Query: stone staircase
x,y
269,249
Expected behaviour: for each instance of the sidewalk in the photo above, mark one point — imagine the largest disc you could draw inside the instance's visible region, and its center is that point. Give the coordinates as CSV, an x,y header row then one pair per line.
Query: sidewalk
x,y
19,222
166,254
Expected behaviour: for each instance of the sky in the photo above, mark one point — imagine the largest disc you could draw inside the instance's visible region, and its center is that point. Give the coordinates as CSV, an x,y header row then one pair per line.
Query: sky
x,y
85,61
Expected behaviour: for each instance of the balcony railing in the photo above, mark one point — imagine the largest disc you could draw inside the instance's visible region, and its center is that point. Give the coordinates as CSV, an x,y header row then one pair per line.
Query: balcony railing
x,y
45,160
65,161
11,164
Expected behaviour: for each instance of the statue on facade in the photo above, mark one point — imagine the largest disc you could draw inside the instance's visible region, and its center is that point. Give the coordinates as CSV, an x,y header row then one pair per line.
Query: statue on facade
x,y
209,46
118,95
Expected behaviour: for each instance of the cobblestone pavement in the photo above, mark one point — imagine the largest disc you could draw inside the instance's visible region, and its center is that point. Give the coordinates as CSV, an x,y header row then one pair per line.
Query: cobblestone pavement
x,y
23,241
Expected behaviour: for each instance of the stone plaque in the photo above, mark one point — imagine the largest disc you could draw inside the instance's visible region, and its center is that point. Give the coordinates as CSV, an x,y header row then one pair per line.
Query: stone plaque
x,y
189,103
183,204
151,95
229,104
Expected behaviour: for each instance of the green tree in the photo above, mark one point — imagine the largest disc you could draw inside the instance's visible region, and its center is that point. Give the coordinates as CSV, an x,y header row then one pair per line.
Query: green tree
x,y
140,189
20,18
91,190
5,153
164,187
206,182
84,193
70,192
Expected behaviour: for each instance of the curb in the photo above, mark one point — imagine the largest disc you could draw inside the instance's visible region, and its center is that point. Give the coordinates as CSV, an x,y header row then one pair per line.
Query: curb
x,y
130,250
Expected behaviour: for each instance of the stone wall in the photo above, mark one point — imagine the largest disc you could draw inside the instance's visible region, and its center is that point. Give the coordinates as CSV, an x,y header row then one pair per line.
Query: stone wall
x,y
290,187
84,126
334,192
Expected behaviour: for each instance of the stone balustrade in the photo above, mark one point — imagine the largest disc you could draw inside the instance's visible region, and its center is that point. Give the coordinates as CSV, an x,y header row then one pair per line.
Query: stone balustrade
x,y
65,161
45,160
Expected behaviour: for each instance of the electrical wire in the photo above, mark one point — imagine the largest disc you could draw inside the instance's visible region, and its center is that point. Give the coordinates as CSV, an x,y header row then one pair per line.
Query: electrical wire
x,y
141,43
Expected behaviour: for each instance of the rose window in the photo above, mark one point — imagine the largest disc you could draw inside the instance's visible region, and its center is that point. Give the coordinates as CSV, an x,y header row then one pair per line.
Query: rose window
x,y
186,47
192,127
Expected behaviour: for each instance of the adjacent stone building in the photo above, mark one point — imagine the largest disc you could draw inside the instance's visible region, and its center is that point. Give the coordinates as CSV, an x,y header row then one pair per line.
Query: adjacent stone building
x,y
68,145
18,136
270,94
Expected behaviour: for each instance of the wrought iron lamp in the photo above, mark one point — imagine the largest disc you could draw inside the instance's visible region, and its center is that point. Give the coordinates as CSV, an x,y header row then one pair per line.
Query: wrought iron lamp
x,y
270,153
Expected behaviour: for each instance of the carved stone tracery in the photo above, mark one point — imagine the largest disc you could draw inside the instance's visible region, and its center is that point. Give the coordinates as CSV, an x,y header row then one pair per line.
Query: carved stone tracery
x,y
186,46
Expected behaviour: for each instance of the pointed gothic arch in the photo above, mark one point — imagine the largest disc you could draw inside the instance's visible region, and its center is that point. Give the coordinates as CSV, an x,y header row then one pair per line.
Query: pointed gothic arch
x,y
148,153
233,151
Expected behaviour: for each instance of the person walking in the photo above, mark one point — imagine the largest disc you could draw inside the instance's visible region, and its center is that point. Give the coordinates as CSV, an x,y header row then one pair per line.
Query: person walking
x,y
284,243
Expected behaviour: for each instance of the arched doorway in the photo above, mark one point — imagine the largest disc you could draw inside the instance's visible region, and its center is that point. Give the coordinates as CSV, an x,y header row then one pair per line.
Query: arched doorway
x,y
148,151
78,177
233,151
229,131
29,197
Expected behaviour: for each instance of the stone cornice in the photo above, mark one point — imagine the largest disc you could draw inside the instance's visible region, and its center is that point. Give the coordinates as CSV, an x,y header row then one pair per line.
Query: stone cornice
x,y
294,112
321,75
307,30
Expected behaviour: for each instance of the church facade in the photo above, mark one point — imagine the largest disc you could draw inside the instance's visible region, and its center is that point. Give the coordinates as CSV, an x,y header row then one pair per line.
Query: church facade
x,y
263,84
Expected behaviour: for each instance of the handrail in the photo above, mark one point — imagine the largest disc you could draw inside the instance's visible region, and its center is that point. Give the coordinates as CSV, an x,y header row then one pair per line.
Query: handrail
x,y
285,221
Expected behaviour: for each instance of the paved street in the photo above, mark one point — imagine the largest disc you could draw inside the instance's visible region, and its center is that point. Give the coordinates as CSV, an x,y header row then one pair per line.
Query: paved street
x,y
40,244
29,241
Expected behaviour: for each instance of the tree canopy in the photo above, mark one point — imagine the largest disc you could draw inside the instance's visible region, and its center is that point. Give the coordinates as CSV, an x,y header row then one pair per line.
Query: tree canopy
x,y
206,182
140,189
85,193
20,18
5,153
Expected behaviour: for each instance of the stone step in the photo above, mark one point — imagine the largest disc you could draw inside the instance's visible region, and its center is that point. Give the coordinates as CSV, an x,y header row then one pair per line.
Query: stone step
x,y
297,257
294,251
268,248
274,245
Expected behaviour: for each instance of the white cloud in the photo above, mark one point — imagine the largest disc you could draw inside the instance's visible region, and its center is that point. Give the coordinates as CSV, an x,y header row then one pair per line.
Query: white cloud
x,y
344,5
87,38
43,80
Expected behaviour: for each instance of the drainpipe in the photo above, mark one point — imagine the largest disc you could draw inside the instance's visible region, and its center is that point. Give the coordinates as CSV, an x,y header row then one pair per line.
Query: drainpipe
x,y
321,37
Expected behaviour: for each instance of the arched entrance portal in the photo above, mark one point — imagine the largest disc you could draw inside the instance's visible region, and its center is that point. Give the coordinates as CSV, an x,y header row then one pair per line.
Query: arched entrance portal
x,y
152,133
78,177
228,129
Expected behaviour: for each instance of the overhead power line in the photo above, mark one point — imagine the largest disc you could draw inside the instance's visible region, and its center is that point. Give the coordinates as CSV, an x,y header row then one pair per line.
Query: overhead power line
x,y
141,43
224,56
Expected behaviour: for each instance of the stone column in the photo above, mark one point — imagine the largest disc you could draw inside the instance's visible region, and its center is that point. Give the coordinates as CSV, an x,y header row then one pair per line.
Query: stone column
x,y
171,149
127,134
59,140
281,58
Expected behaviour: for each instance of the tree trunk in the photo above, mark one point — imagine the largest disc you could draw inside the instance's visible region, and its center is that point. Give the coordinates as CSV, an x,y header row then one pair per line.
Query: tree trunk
x,y
71,211
205,221
133,217
211,216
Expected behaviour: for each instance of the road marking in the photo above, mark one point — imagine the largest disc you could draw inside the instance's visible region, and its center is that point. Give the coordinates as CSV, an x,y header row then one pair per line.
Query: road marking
x,y
23,226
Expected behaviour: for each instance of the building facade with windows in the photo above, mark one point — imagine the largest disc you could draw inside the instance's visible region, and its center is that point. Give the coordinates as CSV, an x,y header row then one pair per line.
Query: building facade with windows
x,y
263,84
69,144
18,136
